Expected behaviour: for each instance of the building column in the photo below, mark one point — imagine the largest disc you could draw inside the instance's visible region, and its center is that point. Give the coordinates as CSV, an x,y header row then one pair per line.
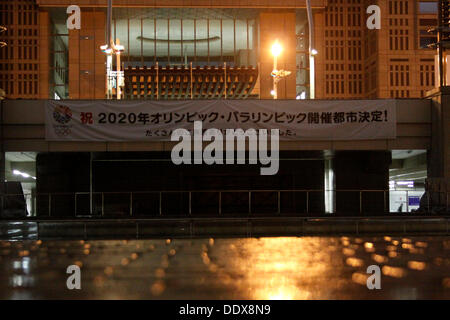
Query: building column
x,y
438,182
362,181
330,183
44,55
2,145
382,48
439,159
87,70
319,39
281,26
2,166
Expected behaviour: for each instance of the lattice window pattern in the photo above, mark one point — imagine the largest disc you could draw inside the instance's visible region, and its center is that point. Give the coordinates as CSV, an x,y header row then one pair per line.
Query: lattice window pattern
x,y
19,69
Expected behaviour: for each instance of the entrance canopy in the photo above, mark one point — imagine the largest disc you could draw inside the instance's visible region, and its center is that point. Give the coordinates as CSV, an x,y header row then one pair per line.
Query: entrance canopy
x,y
189,83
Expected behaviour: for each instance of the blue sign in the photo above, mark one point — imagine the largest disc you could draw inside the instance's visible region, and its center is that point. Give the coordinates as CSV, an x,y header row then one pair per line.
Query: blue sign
x,y
414,201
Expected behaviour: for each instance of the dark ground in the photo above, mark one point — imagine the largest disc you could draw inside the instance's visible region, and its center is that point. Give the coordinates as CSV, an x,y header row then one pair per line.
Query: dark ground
x,y
239,268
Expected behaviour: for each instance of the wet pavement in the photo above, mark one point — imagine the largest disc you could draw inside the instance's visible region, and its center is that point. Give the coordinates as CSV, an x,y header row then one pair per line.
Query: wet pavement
x,y
246,268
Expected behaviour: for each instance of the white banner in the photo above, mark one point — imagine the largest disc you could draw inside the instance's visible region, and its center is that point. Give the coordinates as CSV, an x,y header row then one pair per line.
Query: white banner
x,y
95,120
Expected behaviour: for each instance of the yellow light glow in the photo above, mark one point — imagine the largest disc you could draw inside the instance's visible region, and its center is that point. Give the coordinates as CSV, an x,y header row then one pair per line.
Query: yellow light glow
x,y
394,272
348,251
276,49
392,254
275,262
360,278
354,262
379,258
368,245
417,265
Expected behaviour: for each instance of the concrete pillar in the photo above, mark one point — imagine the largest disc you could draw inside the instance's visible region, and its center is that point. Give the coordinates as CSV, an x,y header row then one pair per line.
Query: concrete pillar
x,y
330,183
2,166
438,182
2,144
358,175
281,26
33,202
439,159
319,39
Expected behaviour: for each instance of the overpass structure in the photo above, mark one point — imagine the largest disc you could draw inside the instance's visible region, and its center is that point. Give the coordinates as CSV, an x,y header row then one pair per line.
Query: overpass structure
x,y
325,175
23,129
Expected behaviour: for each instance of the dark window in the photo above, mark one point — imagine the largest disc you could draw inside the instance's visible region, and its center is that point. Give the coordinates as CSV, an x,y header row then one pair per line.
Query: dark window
x,y
428,7
425,41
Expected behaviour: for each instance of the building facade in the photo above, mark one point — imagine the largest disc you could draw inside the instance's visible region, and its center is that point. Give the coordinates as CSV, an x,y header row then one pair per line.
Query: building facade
x,y
214,49
392,62
44,59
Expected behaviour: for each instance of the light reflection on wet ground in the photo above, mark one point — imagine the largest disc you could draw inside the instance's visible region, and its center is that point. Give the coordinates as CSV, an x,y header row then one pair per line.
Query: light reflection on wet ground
x,y
251,268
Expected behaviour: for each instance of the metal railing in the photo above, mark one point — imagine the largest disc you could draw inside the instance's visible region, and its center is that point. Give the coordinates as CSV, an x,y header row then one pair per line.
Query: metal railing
x,y
277,201
220,193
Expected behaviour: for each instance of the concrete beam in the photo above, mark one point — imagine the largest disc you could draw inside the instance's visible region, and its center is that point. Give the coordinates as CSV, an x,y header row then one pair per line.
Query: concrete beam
x,y
24,130
186,3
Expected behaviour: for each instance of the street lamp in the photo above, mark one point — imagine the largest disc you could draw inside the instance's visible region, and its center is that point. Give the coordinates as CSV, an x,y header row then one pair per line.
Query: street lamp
x,y
118,49
109,49
276,51
277,74
2,43
312,51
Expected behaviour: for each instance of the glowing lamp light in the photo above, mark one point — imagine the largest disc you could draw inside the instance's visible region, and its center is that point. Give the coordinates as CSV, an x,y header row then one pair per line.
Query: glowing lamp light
x,y
272,92
314,52
119,48
106,49
276,49
23,174
301,96
409,184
